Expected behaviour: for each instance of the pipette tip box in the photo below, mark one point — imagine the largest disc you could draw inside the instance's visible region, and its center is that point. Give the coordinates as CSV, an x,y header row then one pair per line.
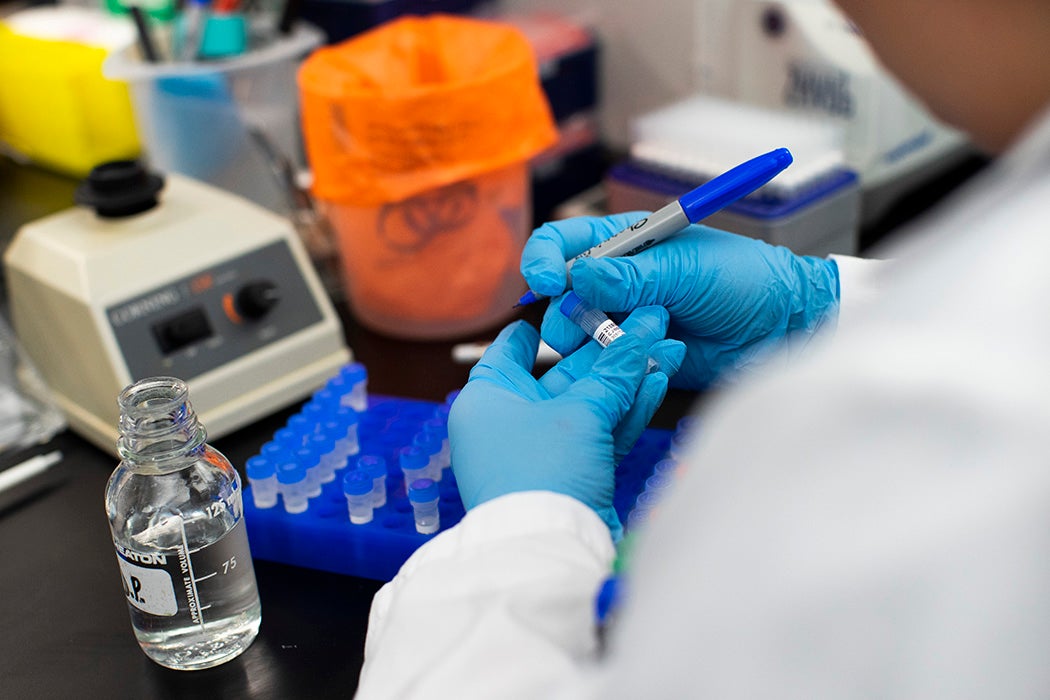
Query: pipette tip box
x,y
323,538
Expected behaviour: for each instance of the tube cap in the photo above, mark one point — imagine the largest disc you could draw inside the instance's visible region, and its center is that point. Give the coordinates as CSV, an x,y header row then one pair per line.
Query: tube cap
x,y
354,372
291,473
372,465
347,416
570,302
428,443
423,491
357,483
259,468
436,427
276,452
413,458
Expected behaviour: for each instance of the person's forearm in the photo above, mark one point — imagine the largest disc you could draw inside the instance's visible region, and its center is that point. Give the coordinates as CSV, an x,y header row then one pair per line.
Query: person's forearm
x,y
499,606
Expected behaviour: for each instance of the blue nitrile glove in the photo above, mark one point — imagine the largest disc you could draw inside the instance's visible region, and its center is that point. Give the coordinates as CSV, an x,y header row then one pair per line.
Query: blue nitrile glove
x,y
649,324
510,432
732,299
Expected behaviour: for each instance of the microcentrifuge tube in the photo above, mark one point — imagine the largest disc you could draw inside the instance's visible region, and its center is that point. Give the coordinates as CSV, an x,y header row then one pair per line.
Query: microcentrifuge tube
x,y
322,445
307,458
277,453
430,445
347,435
637,517
314,413
356,377
595,323
680,443
648,499
666,466
332,460
439,429
326,397
687,424
263,479
357,487
299,424
414,463
292,478
424,496
375,468
288,438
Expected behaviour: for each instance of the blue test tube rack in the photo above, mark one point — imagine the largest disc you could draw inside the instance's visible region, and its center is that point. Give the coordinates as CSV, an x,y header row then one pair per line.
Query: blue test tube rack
x,y
322,537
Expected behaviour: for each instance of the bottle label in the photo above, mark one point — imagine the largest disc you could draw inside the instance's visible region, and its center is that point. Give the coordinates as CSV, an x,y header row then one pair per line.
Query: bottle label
x,y
180,582
148,589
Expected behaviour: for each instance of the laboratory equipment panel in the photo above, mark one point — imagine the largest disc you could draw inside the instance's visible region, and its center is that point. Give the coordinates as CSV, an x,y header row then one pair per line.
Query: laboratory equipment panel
x,y
196,283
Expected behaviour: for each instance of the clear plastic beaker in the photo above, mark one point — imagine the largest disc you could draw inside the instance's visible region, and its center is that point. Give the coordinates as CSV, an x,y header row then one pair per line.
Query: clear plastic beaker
x,y
208,120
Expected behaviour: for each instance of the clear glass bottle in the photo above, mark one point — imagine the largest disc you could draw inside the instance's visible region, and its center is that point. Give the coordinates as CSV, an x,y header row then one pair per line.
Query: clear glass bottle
x,y
174,507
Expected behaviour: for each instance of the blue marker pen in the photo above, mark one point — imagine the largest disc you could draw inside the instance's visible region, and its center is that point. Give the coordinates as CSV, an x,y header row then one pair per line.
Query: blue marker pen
x,y
691,207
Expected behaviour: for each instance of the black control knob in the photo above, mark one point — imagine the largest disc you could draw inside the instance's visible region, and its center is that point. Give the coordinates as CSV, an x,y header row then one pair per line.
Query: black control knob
x,y
255,299
119,188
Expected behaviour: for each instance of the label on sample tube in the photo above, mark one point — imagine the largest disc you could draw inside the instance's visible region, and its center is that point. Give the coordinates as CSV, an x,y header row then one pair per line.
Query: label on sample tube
x,y
606,332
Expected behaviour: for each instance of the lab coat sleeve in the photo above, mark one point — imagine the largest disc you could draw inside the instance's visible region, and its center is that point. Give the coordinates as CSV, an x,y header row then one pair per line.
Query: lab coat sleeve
x,y
499,606
860,281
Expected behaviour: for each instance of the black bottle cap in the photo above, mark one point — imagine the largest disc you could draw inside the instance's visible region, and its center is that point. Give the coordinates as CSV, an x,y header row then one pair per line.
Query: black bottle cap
x,y
119,188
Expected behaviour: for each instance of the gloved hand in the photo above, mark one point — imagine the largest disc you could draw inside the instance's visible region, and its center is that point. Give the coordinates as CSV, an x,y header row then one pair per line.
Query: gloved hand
x,y
732,299
566,431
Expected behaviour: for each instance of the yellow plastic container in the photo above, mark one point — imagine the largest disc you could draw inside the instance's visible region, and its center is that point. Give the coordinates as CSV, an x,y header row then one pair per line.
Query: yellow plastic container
x,y
57,109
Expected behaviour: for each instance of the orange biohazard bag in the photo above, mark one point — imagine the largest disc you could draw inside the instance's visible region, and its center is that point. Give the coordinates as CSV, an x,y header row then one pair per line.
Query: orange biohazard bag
x,y
419,134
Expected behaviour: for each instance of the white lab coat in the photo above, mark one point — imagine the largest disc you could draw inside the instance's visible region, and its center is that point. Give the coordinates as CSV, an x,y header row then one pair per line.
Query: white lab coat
x,y
873,522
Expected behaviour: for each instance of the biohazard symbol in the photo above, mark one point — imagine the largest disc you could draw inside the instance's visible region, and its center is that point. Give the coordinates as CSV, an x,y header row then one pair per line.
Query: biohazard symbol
x,y
410,225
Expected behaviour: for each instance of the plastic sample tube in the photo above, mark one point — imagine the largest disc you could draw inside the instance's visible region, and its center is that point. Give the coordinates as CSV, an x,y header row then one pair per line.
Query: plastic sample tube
x,y
300,425
596,324
356,377
687,424
375,468
423,494
637,517
308,459
322,445
439,429
276,453
357,487
658,482
263,478
314,413
348,421
666,467
430,445
648,500
292,478
414,463
288,438
327,397
680,443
